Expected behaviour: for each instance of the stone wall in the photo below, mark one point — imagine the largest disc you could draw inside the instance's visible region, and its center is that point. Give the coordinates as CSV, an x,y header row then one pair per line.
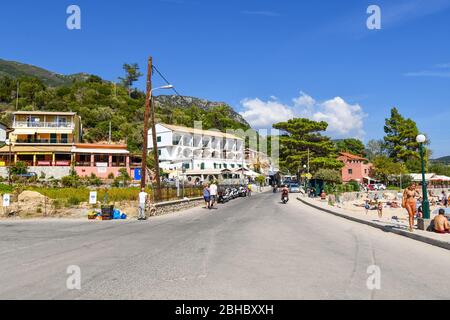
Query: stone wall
x,y
55,172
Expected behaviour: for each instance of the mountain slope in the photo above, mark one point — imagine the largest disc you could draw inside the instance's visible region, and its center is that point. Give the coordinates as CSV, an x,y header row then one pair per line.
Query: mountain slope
x,y
174,101
444,160
16,69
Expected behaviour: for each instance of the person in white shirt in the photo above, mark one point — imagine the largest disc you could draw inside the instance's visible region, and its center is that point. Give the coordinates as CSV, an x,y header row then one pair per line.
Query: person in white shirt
x,y
142,204
212,194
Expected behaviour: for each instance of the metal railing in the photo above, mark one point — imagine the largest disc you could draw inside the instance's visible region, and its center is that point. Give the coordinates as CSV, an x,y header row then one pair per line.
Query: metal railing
x,y
33,124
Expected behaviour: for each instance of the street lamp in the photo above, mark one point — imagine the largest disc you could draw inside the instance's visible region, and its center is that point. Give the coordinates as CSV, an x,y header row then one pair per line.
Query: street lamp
x,y
421,139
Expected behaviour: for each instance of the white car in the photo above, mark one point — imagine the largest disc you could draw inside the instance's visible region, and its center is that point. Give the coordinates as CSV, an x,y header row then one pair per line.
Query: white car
x,y
379,186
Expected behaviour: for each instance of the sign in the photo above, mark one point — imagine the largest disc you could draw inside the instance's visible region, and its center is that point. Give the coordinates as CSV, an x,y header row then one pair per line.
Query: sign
x,y
307,176
93,197
6,200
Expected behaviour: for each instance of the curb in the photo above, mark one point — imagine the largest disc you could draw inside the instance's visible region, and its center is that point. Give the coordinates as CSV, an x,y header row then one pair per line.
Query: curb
x,y
407,234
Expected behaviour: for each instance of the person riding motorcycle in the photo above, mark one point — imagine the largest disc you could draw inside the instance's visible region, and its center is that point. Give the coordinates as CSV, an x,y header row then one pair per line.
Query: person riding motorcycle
x,y
285,192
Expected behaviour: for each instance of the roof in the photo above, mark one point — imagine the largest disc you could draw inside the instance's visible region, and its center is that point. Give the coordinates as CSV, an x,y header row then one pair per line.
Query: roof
x,y
37,113
100,148
440,178
418,176
352,156
202,132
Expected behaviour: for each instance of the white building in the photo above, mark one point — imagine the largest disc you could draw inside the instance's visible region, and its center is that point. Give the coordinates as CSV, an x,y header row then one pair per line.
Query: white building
x,y
196,150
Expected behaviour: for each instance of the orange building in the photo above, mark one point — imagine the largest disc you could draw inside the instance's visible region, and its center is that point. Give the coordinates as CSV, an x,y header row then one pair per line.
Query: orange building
x,y
355,167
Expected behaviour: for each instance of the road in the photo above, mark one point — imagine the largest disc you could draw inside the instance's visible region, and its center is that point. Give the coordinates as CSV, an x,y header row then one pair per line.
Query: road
x,y
251,248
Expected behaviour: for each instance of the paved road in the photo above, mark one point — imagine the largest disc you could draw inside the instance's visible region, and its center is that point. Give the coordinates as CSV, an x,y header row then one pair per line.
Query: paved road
x,y
249,249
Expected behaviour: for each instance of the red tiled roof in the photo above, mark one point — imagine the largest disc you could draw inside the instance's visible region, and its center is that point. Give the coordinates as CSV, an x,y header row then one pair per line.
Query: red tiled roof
x,y
350,156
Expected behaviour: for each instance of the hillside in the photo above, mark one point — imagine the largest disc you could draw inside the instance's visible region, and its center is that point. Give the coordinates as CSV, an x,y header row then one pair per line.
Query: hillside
x,y
16,70
100,103
444,160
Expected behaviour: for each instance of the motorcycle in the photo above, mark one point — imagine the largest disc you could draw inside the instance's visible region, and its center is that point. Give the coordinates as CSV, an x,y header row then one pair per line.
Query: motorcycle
x,y
285,199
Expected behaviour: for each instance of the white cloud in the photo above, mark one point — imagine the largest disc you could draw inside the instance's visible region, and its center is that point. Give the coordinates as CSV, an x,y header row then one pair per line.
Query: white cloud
x,y
261,114
344,119
304,100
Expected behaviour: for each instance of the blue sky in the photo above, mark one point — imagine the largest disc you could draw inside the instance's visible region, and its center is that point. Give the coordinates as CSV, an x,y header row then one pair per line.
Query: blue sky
x,y
270,60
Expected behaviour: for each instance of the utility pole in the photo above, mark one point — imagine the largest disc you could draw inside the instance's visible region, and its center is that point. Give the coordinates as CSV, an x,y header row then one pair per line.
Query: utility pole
x,y
109,134
17,98
146,117
155,150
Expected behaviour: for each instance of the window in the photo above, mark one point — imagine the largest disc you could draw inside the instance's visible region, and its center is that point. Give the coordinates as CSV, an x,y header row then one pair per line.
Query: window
x,y
350,171
158,139
159,152
64,138
202,167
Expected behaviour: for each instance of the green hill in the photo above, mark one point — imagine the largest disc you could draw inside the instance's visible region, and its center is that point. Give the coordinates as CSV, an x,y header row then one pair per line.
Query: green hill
x,y
16,70
444,160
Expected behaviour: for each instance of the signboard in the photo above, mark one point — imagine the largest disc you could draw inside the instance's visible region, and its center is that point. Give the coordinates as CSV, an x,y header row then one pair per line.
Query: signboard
x,y
93,197
6,200
307,176
102,170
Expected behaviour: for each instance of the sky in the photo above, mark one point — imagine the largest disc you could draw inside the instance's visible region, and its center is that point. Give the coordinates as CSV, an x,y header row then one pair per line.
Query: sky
x,y
271,60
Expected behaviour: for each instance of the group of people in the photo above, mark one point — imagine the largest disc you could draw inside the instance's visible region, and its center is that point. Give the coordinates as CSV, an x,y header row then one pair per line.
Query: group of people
x,y
410,198
210,195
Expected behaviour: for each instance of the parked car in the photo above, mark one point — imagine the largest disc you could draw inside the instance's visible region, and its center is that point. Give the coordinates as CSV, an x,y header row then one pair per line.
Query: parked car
x,y
294,188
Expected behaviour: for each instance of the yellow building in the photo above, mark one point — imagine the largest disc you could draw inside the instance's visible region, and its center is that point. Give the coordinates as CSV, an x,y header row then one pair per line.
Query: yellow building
x,y
42,138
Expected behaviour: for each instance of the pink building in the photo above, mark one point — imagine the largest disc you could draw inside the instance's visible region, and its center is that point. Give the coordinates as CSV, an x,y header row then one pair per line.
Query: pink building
x,y
355,167
101,159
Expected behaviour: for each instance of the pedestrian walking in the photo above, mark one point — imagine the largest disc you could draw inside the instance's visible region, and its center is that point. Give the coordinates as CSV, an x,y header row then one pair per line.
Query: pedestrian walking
x,y
207,196
249,190
212,194
410,203
143,196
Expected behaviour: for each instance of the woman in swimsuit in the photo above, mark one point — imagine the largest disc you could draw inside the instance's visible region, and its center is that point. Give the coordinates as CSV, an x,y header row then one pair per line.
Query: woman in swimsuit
x,y
410,203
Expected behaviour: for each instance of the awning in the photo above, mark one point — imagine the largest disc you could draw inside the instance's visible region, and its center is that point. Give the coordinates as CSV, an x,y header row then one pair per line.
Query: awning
x,y
440,178
100,151
36,149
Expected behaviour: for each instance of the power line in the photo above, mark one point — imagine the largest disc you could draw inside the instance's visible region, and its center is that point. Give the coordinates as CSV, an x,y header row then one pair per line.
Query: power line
x,y
168,83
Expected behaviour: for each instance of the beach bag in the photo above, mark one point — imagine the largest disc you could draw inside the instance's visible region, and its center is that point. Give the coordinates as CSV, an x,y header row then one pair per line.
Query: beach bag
x,y
123,216
116,214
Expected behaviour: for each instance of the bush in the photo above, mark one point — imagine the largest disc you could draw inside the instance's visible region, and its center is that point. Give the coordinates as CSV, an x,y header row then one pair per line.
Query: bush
x,y
73,201
73,180
355,185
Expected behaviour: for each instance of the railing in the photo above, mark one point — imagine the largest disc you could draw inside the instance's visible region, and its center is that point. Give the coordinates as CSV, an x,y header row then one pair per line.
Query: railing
x,y
56,125
43,141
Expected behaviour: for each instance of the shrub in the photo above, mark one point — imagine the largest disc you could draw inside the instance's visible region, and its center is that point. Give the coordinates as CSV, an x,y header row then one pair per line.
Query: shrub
x,y
73,201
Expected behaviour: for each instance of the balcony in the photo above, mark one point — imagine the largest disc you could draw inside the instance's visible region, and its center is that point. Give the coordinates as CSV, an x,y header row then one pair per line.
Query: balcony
x,y
43,125
43,141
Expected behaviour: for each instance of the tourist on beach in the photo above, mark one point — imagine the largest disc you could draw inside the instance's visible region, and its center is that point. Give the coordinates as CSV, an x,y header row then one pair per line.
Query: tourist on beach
x,y
444,199
207,196
441,224
380,209
410,203
213,194
142,204
367,205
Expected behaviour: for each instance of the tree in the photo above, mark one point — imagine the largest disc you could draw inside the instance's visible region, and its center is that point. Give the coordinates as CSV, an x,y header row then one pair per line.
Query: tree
x,y
132,74
386,169
329,175
300,135
400,139
351,145
375,148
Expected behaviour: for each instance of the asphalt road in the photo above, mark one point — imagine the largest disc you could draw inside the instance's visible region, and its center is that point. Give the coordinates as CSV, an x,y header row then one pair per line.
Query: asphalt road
x,y
251,248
